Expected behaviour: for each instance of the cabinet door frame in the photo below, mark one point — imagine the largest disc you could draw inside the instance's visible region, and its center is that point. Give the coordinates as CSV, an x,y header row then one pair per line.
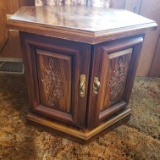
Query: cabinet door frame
x,y
95,116
81,55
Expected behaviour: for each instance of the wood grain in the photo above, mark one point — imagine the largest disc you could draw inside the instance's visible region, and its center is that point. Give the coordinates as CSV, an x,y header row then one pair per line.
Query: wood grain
x,y
55,60
150,9
82,136
133,5
54,75
117,4
155,68
12,48
9,40
100,64
3,22
116,78
12,6
103,67
80,64
26,2
90,29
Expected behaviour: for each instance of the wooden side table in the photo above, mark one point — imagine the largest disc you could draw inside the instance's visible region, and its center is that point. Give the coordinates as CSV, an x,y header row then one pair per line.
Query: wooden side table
x,y
80,64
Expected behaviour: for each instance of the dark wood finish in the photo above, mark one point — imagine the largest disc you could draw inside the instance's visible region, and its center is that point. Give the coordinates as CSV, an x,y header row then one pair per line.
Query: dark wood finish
x,y
3,29
54,78
12,6
53,70
80,71
12,47
9,39
148,9
26,2
113,64
78,135
91,28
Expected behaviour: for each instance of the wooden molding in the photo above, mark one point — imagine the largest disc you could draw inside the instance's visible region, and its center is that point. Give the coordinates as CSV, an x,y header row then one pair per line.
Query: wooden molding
x,y
81,135
78,31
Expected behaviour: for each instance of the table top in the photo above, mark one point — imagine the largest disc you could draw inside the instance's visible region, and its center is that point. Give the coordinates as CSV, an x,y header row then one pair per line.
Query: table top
x,y
79,23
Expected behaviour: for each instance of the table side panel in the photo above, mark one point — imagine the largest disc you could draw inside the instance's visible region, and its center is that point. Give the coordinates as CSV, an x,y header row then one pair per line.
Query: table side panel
x,y
54,68
114,63
54,77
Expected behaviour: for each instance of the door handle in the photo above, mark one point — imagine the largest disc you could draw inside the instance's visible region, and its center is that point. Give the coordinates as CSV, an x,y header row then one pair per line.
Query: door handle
x,y
82,86
96,85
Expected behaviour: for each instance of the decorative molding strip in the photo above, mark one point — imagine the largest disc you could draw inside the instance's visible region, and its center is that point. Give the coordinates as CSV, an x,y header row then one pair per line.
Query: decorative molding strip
x,y
80,134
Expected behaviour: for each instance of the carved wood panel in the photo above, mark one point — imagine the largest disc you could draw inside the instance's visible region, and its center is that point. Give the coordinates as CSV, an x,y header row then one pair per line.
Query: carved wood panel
x,y
113,65
115,72
54,67
54,71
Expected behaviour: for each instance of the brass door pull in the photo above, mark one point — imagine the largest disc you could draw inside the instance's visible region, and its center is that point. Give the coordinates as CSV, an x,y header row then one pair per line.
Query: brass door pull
x,y
82,86
96,85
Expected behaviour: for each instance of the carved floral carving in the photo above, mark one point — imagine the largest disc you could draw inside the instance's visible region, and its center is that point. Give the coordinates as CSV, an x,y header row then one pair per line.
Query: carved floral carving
x,y
117,81
53,83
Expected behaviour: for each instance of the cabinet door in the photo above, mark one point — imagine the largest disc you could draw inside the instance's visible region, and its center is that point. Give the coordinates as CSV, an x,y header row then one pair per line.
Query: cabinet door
x,y
113,71
57,76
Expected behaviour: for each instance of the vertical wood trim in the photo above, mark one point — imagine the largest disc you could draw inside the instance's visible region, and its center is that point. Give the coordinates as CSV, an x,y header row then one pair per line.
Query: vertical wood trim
x,y
3,29
132,70
12,6
155,68
140,7
133,5
117,4
9,40
26,3
149,9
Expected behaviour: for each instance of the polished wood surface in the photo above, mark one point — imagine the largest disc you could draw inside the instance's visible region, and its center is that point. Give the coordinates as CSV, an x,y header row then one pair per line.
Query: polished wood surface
x,y
79,23
53,69
115,68
115,64
77,85
81,136
149,9
54,75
